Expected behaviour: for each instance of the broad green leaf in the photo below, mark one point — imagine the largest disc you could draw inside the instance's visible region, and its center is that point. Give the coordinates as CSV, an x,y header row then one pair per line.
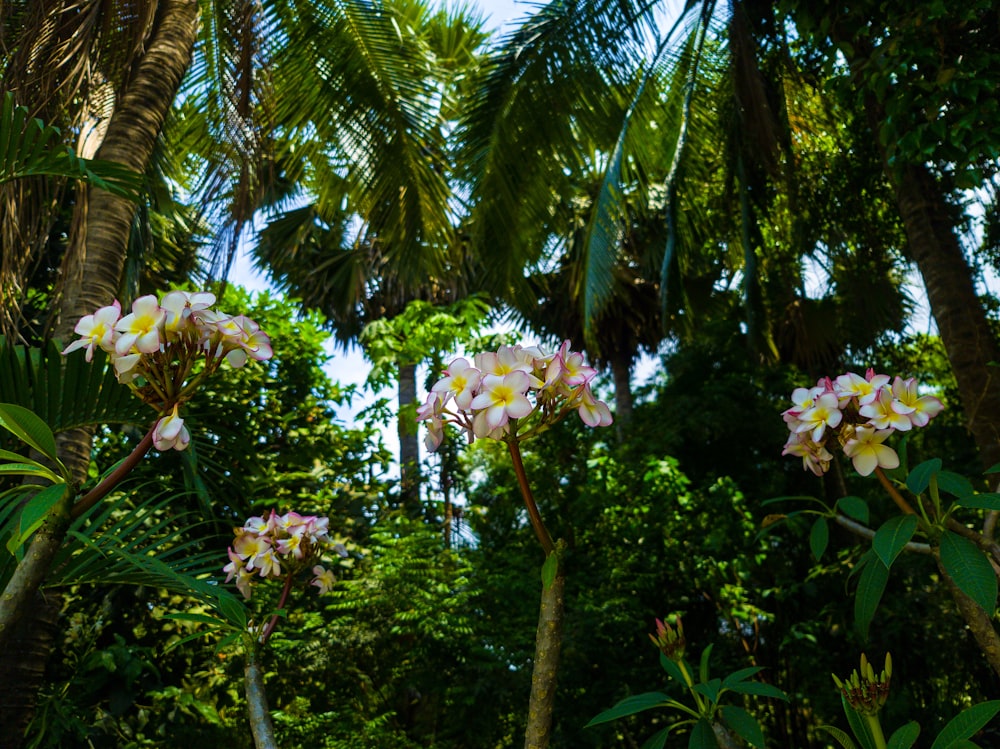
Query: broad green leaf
x,y
672,669
702,736
964,725
232,610
742,675
758,688
894,534
706,654
709,689
658,740
993,469
842,738
28,428
744,724
904,737
201,618
33,514
871,585
920,477
955,484
819,537
985,501
549,569
637,703
970,570
29,469
854,507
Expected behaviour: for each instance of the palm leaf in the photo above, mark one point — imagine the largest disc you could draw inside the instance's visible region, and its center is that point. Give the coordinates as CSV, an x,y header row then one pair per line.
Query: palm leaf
x,y
29,148
146,545
66,391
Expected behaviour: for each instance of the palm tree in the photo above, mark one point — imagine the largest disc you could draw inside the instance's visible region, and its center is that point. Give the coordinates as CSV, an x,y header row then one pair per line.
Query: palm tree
x,y
379,230
559,72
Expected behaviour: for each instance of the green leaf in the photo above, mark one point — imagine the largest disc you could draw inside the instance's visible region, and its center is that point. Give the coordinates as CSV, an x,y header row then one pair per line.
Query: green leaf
x,y
549,569
744,724
709,689
742,675
30,469
28,428
969,568
984,501
894,534
201,618
854,507
672,669
871,585
33,514
858,725
842,738
955,484
758,688
637,703
819,537
904,737
706,654
658,740
920,477
702,736
964,725
993,469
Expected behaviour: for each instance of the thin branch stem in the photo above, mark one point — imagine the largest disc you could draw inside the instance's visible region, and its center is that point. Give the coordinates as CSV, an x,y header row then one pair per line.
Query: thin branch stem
x,y
281,604
544,538
865,532
893,492
110,481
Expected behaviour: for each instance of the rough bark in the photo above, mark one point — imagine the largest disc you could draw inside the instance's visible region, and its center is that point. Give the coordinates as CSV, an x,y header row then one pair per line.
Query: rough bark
x,y
28,649
409,447
979,622
95,260
548,643
92,272
971,347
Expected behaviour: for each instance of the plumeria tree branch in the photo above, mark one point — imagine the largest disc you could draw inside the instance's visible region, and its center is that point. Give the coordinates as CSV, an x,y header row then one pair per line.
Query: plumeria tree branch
x,y
541,532
511,395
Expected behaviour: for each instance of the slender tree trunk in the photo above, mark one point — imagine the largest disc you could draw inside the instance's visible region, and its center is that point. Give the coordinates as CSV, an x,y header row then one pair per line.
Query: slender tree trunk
x,y
548,643
260,717
971,347
621,370
93,266
409,448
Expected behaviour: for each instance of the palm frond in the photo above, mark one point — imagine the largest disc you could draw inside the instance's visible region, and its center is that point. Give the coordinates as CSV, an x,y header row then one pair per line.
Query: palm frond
x,y
148,544
66,391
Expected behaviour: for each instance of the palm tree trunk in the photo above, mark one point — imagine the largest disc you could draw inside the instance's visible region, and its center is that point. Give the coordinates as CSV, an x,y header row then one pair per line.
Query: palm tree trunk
x,y
961,319
92,274
409,448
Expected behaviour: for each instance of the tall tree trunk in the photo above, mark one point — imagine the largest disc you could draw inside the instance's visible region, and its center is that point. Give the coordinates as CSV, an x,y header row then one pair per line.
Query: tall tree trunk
x,y
929,223
93,267
409,447
621,370
965,332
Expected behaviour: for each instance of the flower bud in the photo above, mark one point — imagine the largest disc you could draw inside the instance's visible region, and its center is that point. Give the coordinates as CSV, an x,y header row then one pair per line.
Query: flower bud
x,y
864,692
670,641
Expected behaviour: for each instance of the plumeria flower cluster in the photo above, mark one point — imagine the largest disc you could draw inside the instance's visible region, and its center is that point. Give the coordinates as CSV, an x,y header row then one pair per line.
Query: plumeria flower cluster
x,y
862,412
162,349
499,391
281,545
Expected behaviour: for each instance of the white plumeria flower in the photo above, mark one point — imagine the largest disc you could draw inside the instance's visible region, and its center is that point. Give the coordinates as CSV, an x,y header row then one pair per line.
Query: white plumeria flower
x,y
97,330
141,328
